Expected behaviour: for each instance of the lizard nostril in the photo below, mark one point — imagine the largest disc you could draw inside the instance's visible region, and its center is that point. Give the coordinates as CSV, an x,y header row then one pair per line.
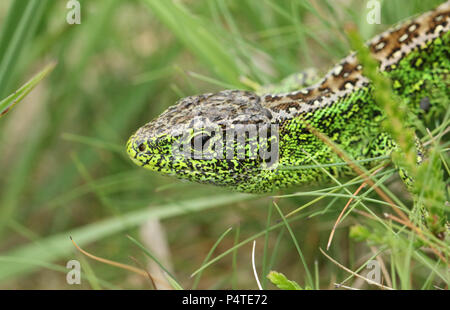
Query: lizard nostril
x,y
141,147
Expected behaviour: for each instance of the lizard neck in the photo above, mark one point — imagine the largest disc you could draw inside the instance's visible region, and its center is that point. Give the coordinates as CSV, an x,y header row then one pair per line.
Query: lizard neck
x,y
389,49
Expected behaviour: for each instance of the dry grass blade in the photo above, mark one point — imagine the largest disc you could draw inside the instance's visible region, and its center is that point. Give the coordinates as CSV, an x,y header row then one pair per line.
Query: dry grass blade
x,y
345,208
254,266
403,218
142,267
354,273
383,267
138,271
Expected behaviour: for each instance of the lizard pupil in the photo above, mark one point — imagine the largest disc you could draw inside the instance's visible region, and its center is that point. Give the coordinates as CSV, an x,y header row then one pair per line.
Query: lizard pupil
x,y
141,147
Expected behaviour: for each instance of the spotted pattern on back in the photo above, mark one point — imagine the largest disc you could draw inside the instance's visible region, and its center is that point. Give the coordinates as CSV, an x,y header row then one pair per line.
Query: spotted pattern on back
x,y
388,48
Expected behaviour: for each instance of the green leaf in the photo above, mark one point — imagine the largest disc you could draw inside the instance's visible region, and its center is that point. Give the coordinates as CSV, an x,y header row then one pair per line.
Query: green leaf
x,y
282,282
359,233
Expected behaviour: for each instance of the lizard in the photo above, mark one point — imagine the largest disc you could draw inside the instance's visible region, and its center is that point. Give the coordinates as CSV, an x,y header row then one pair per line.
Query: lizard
x,y
259,143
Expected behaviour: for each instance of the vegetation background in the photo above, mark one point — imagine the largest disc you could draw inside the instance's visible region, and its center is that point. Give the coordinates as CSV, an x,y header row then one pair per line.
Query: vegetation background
x,y
64,171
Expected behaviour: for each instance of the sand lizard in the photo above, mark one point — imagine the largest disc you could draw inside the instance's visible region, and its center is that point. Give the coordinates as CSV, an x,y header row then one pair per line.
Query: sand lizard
x,y
415,55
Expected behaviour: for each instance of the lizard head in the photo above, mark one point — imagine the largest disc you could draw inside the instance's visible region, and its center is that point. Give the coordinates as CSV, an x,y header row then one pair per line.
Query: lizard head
x,y
226,139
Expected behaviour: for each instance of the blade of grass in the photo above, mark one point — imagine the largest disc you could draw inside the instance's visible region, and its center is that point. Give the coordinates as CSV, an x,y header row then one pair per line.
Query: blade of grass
x,y
7,103
197,36
309,279
208,256
265,270
244,242
58,246
20,26
234,259
170,277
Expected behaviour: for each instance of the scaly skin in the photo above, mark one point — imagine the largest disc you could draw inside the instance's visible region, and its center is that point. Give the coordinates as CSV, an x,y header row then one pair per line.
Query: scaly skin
x,y
415,55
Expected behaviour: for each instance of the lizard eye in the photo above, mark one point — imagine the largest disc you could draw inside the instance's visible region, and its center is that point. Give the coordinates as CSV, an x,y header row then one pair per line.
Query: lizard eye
x,y
141,147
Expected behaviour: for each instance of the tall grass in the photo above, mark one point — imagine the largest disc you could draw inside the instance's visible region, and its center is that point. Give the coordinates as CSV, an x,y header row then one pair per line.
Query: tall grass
x,y
64,172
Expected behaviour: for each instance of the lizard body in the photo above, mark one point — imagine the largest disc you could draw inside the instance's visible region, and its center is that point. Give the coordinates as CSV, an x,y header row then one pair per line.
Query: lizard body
x,y
259,143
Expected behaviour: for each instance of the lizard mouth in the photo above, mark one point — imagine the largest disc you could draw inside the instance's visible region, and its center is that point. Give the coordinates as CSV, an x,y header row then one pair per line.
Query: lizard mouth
x,y
144,156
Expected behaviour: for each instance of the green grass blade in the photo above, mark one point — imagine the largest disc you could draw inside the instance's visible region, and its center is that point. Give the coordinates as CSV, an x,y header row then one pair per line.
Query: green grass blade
x,y
16,35
197,37
198,276
7,103
169,276
309,278
59,246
